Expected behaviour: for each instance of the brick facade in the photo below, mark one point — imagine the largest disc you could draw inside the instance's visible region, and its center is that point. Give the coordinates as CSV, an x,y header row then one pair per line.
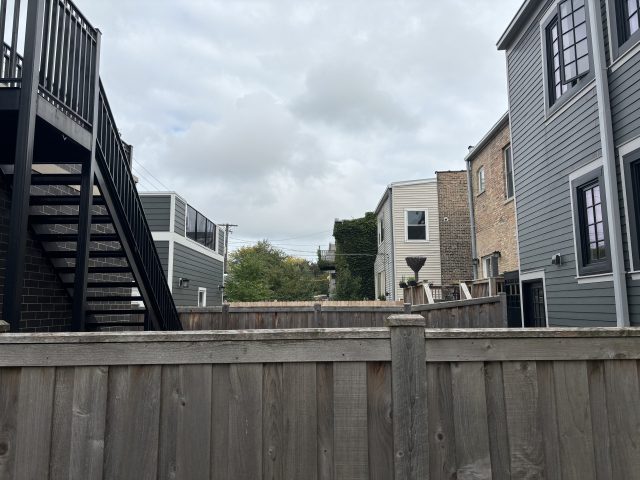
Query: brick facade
x,y
495,218
455,227
46,305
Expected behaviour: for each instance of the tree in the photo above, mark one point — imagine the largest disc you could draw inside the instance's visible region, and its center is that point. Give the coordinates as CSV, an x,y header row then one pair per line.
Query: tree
x,y
356,250
264,273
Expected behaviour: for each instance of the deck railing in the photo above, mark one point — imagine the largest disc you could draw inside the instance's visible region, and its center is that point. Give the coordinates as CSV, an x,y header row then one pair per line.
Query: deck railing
x,y
113,161
7,74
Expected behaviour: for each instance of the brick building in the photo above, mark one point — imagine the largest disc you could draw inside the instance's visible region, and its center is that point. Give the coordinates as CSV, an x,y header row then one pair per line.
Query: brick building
x,y
455,227
491,201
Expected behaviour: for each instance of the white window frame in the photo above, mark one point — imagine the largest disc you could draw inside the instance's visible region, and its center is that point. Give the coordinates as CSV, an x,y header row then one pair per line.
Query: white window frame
x,y
406,225
204,291
506,173
481,180
380,230
486,266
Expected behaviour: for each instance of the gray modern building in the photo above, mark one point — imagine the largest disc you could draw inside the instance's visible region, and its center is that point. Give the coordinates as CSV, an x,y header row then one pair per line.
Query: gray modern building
x,y
573,70
190,246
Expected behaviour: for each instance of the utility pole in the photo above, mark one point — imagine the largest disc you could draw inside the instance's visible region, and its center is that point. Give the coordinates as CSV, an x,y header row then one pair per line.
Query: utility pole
x,y
227,227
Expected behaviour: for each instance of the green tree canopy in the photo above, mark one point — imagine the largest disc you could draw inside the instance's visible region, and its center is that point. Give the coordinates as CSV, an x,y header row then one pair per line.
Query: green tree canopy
x,y
263,273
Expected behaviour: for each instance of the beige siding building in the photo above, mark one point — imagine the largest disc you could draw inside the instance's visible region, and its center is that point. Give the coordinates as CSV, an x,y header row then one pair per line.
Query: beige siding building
x,y
408,225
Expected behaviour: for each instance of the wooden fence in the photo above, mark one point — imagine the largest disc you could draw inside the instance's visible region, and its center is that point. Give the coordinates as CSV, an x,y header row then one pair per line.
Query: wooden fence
x,y
490,312
380,403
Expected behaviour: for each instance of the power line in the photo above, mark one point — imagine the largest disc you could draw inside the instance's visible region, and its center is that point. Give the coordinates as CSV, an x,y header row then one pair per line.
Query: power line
x,y
152,175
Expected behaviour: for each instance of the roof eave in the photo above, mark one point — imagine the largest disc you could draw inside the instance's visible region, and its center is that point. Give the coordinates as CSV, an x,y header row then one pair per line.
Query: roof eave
x,y
516,24
504,120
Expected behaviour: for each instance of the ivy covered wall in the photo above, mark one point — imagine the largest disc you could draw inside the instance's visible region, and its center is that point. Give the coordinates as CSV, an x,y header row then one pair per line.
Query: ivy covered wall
x,y
356,249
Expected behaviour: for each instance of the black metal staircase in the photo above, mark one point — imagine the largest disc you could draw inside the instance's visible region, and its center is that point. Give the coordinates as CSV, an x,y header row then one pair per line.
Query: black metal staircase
x,y
70,177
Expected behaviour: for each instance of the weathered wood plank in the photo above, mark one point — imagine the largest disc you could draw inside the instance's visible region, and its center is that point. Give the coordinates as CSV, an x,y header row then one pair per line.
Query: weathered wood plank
x,y
497,422
623,407
300,422
470,420
185,419
220,399
600,419
574,420
35,412
61,423
245,421
380,423
548,419
441,430
350,421
525,437
180,353
9,393
88,417
133,413
324,392
272,422
409,372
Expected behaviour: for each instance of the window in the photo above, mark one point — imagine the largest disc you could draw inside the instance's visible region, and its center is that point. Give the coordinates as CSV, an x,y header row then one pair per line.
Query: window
x,y
567,48
486,266
508,172
590,224
202,297
631,165
200,229
416,221
481,180
380,230
625,15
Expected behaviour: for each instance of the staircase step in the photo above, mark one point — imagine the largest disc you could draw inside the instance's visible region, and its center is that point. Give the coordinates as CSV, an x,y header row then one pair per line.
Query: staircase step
x,y
122,284
115,298
92,254
67,270
72,237
39,200
56,179
123,311
67,219
114,324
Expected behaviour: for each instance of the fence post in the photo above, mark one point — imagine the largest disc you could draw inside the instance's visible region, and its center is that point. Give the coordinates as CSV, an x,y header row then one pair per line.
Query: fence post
x,y
504,309
409,396
317,313
225,316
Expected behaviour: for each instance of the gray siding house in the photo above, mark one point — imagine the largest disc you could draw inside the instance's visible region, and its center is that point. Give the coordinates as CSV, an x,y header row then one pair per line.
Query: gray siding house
x,y
190,246
574,95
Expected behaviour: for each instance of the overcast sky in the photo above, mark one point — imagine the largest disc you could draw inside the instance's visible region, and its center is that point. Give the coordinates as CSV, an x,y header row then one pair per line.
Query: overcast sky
x,y
282,115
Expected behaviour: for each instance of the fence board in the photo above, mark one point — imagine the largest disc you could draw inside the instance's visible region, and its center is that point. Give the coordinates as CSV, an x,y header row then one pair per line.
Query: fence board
x,y
272,428
350,413
379,419
600,419
61,423
442,440
220,400
497,421
9,391
324,392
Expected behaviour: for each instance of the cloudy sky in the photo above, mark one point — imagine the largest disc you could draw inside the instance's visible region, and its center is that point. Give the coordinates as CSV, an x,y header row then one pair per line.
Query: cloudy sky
x,y
282,115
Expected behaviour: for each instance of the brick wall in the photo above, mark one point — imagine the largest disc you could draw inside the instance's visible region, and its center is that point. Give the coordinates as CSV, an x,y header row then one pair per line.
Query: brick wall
x,y
495,216
46,305
455,227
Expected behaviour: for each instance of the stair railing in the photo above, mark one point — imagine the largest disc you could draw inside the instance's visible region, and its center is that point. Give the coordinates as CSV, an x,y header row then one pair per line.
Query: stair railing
x,y
112,159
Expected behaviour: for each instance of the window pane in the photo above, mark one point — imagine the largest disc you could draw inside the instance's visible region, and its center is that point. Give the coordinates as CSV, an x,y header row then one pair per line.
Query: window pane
x,y
581,32
210,242
569,55
416,218
567,23
633,24
577,4
191,222
596,194
583,65
201,228
565,8
416,233
631,6
579,16
582,48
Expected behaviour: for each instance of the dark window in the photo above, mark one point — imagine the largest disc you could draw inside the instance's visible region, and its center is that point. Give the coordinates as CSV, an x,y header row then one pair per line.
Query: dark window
x,y
211,235
191,222
533,304
632,186
591,224
508,172
628,19
567,46
380,230
416,225
201,234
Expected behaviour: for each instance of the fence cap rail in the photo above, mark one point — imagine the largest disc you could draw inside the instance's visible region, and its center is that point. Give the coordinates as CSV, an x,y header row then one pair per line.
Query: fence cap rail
x,y
495,333
406,321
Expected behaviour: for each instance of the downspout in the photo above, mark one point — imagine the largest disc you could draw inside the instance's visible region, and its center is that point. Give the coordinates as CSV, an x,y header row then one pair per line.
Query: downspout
x,y
472,218
609,165
393,246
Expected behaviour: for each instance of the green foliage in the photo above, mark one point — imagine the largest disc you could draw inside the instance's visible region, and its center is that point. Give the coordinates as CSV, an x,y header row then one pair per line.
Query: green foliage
x,y
264,273
356,248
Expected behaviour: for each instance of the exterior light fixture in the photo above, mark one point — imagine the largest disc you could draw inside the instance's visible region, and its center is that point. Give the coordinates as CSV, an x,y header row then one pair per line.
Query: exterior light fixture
x,y
183,282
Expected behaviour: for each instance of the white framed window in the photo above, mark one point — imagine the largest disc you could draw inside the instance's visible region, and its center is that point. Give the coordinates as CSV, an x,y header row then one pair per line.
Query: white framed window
x,y
416,225
380,230
202,297
486,266
508,172
480,180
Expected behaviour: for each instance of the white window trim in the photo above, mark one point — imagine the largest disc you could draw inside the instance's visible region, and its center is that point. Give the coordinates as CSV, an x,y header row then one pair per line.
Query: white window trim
x,y
485,273
624,150
186,242
598,277
506,174
537,275
406,225
202,290
482,184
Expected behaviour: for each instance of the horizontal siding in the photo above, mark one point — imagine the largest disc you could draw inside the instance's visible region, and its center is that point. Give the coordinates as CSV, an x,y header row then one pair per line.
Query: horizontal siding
x,y
180,225
157,210
221,241
201,270
163,253
419,197
384,259
545,153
